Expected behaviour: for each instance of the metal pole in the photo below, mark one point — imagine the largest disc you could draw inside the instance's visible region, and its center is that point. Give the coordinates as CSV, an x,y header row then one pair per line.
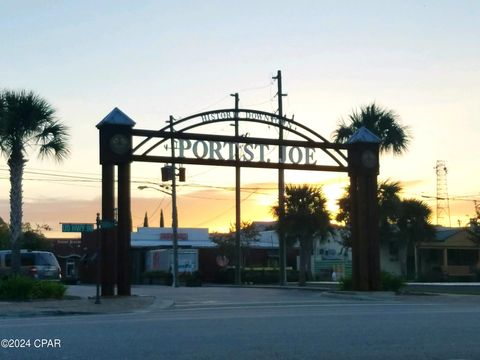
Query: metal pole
x,y
238,249
281,188
175,282
124,229
99,256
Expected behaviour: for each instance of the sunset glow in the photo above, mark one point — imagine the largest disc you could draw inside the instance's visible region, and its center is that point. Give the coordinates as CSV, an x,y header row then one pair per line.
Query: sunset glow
x,y
154,60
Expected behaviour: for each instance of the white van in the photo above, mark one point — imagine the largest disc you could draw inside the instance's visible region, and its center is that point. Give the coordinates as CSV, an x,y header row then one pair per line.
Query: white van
x,y
42,265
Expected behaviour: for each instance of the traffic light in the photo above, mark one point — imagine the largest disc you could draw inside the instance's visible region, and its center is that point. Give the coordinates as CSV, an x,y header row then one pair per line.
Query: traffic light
x,y
181,174
167,173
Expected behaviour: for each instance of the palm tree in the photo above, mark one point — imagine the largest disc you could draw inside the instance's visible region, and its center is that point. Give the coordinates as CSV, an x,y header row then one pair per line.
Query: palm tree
x,y
414,226
401,222
306,217
389,203
26,121
383,123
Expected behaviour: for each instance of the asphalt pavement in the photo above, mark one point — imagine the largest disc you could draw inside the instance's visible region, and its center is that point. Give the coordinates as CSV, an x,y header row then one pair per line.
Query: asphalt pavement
x,y
81,300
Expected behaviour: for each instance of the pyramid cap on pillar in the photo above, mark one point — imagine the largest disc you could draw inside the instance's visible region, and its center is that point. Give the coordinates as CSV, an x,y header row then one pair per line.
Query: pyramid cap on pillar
x,y
116,117
364,135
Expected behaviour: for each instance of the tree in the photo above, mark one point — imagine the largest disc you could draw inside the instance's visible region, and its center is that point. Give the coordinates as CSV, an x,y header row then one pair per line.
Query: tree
x,y
383,123
388,210
226,242
414,226
306,217
4,235
389,204
402,223
32,238
474,224
27,122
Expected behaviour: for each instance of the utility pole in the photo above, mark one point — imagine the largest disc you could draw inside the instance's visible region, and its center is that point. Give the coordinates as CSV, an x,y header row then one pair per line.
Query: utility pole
x,y
443,203
238,249
175,282
282,251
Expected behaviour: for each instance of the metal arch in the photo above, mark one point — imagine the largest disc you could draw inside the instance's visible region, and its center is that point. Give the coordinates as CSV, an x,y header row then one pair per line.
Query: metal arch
x,y
293,122
278,125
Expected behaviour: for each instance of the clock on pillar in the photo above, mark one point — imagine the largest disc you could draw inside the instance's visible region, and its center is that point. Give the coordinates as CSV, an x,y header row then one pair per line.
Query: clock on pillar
x,y
363,152
115,138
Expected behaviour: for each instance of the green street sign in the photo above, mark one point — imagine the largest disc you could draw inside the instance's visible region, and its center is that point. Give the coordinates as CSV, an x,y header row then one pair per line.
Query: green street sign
x,y
72,227
107,224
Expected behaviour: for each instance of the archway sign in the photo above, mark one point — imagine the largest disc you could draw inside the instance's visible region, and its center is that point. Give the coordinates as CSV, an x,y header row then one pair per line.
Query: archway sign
x,y
204,139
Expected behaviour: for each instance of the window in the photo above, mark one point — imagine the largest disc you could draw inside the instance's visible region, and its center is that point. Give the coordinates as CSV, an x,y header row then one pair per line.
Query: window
x,y
25,260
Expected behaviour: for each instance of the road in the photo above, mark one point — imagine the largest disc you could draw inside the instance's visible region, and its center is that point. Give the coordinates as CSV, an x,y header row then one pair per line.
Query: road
x,y
223,323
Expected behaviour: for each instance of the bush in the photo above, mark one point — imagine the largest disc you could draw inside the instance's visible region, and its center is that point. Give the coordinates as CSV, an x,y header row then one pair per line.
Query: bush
x,y
389,282
158,277
191,279
16,288
25,288
346,284
48,290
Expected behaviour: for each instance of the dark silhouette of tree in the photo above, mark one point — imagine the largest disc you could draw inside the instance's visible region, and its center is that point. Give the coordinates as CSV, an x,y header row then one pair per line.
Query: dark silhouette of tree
x,y
383,123
388,209
4,235
402,223
414,226
32,237
226,242
162,221
306,217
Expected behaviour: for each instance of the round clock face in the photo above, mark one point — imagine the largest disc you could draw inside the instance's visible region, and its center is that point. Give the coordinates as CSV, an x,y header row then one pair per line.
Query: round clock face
x,y
119,144
369,159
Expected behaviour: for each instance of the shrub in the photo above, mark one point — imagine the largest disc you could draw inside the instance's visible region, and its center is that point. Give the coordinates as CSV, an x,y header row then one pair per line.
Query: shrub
x,y
346,284
16,288
191,279
158,277
25,288
48,290
389,282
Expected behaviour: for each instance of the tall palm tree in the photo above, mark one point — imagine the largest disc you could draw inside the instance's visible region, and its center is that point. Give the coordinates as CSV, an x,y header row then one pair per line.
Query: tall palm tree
x,y
414,226
26,122
382,122
306,217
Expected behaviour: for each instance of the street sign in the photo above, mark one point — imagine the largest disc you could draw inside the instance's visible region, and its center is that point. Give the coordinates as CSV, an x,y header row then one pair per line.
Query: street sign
x,y
107,224
72,227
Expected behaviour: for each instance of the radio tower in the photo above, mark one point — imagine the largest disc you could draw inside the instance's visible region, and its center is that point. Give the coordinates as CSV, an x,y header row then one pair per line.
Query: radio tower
x,y
443,205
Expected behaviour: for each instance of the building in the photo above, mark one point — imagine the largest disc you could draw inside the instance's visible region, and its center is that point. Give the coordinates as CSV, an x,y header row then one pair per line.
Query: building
x,y
453,255
70,254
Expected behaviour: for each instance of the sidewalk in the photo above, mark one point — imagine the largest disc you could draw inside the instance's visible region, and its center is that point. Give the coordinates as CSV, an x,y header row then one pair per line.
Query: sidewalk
x,y
83,306
80,300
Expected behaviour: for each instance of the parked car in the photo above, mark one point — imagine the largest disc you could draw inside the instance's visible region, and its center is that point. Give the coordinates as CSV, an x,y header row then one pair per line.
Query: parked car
x,y
42,265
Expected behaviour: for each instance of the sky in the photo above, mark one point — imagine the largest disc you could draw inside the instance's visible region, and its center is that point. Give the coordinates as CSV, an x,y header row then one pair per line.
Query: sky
x,y
153,59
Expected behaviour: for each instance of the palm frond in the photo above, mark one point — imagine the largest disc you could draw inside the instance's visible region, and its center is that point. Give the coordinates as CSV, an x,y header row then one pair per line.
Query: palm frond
x,y
384,123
